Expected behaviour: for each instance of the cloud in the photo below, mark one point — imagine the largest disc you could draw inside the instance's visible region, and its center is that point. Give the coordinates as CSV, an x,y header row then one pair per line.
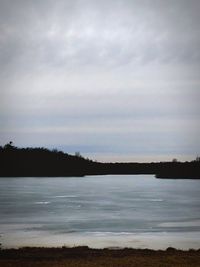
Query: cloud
x,y
68,33
93,73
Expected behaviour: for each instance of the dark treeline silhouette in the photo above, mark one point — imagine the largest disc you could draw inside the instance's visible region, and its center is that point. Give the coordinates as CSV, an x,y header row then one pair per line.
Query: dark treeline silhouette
x,y
41,162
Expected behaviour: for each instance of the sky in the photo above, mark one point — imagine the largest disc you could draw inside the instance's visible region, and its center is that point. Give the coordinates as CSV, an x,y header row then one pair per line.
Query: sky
x,y
116,80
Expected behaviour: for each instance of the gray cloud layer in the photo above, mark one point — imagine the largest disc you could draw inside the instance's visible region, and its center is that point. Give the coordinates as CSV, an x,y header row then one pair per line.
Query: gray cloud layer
x,y
113,79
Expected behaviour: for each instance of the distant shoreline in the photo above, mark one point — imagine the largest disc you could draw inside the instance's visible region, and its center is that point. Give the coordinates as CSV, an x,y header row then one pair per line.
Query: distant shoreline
x,y
85,256
42,162
164,177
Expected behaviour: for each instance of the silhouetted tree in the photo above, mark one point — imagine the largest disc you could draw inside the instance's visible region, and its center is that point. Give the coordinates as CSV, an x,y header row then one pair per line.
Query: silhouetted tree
x,y
197,159
9,145
78,154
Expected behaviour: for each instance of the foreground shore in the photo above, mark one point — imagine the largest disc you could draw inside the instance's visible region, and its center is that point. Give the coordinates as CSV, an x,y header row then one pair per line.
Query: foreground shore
x,y
86,257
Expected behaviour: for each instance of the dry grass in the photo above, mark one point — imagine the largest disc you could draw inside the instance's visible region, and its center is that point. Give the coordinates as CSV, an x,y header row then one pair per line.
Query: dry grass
x,y
85,257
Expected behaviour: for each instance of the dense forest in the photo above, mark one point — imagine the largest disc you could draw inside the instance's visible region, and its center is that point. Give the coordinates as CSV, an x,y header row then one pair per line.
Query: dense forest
x,y
41,162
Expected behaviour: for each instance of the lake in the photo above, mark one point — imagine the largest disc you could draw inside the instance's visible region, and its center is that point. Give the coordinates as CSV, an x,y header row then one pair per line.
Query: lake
x,y
136,211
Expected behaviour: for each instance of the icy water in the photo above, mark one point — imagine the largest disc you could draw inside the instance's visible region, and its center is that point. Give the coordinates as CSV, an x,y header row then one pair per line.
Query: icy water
x,y
137,211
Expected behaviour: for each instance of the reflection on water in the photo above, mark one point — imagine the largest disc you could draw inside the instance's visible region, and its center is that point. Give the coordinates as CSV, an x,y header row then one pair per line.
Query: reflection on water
x,y
100,211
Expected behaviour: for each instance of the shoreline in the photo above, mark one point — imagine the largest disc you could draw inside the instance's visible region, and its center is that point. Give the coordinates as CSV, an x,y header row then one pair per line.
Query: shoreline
x,y
84,256
43,162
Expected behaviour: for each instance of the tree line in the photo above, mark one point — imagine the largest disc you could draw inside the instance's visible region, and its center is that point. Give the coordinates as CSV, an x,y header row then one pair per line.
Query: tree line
x,y
43,162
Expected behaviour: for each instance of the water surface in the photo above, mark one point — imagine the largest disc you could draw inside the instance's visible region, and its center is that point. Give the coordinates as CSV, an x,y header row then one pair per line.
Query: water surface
x,y
100,211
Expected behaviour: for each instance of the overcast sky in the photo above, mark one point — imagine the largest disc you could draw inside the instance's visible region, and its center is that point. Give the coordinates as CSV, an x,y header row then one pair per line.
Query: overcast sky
x,y
117,80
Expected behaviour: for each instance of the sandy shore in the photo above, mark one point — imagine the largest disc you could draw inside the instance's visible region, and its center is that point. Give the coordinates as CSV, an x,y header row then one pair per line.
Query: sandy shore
x,y
86,257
